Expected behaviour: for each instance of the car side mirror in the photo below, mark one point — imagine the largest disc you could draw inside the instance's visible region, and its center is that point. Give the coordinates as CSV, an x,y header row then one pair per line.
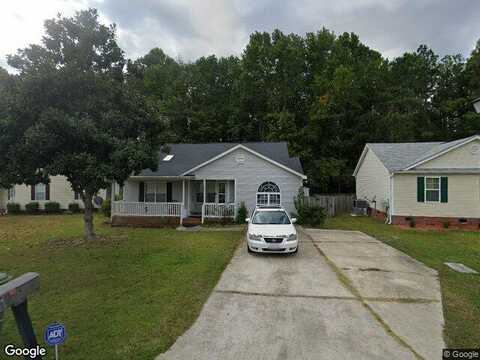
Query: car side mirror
x,y
294,220
247,220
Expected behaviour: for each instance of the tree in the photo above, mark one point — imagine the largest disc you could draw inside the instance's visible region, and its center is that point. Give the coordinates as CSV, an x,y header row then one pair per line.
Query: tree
x,y
73,114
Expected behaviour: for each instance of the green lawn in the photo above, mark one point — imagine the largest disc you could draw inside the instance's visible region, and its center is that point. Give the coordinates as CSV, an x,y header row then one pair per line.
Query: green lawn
x,y
128,296
461,292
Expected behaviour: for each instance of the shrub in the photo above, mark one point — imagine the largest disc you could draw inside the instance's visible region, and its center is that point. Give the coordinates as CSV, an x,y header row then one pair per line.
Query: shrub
x,y
107,207
74,208
446,224
52,207
14,208
32,207
242,214
308,213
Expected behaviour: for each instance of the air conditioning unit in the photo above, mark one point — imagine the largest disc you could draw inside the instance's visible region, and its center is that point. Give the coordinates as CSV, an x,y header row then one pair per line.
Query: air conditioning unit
x,y
360,207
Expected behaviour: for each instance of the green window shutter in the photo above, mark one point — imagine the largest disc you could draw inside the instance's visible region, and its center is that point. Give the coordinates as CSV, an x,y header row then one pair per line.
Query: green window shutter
x,y
421,189
444,189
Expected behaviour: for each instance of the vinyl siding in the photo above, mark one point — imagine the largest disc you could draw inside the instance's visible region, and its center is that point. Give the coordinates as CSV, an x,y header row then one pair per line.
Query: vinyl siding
x,y
249,175
372,181
60,191
463,197
461,157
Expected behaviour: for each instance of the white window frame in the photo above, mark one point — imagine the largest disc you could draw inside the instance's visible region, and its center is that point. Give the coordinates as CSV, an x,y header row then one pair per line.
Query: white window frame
x,y
268,194
38,187
430,189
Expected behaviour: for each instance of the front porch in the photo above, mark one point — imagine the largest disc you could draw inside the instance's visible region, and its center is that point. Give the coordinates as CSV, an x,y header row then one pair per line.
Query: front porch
x,y
175,199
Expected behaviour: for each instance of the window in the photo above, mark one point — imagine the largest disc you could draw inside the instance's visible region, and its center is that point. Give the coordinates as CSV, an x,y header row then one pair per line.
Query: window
x,y
274,199
262,199
268,194
222,192
40,192
155,192
211,197
268,187
150,190
432,189
11,193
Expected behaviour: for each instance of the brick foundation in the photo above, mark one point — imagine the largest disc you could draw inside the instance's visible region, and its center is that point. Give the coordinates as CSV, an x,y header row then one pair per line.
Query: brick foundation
x,y
146,221
438,222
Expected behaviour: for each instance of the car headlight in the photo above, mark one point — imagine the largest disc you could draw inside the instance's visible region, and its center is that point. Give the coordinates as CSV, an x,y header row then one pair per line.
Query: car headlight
x,y
255,237
292,237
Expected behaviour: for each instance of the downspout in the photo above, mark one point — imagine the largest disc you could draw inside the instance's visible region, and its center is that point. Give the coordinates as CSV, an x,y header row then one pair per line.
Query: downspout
x,y
390,212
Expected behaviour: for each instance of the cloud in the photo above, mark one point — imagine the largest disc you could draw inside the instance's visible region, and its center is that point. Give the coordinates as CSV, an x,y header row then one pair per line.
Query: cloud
x,y
21,21
185,29
190,29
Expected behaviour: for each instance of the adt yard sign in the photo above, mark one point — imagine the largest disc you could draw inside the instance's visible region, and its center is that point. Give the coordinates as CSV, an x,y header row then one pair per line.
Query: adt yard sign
x,y
55,335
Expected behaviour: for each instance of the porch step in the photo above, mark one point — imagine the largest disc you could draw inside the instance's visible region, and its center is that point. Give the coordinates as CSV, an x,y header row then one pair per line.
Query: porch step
x,y
192,221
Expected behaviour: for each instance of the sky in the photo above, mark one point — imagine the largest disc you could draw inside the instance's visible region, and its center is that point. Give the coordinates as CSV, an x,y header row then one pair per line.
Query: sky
x,y
187,30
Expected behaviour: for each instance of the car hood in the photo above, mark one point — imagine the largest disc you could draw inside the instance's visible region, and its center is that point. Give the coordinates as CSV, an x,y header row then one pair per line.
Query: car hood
x,y
271,230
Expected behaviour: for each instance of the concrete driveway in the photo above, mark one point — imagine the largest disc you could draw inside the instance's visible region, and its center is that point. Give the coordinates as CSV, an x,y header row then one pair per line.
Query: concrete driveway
x,y
344,295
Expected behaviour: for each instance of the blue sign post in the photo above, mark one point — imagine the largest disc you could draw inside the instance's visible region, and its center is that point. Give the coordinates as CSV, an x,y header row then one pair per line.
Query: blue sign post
x,y
55,335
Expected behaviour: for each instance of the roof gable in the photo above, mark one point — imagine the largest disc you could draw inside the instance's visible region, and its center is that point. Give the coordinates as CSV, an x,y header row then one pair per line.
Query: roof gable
x,y
406,156
441,149
188,157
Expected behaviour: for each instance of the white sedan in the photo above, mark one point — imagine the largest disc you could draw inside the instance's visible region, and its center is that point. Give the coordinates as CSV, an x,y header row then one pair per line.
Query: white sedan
x,y
271,230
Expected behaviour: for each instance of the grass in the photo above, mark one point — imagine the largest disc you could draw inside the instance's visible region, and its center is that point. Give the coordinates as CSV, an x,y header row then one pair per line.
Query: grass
x,y
460,292
128,296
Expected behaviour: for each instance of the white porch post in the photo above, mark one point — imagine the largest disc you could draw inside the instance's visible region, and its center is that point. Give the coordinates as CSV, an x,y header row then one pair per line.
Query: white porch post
x,y
183,202
204,198
235,198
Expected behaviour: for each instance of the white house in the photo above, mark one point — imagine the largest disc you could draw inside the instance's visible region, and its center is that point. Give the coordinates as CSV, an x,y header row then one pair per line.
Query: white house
x,y
433,183
58,190
197,182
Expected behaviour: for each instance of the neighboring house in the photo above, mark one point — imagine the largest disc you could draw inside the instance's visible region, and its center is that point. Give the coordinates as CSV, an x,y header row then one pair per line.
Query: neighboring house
x,y
3,200
58,190
208,181
434,183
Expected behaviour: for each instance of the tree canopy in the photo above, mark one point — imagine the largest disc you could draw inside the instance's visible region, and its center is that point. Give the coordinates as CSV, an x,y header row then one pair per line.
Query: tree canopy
x,y
325,94
70,112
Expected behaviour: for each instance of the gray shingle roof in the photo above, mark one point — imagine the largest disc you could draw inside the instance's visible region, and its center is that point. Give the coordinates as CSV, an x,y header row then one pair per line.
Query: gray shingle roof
x,y
188,156
398,156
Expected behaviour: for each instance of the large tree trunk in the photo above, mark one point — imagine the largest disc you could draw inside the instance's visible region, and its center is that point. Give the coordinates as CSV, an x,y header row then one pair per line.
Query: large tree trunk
x,y
88,217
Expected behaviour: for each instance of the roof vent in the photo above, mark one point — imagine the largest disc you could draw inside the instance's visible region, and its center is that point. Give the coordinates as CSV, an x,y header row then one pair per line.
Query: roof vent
x,y
240,158
168,157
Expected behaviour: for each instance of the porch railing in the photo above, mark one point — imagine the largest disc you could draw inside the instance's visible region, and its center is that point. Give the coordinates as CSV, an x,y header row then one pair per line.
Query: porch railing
x,y
214,210
146,209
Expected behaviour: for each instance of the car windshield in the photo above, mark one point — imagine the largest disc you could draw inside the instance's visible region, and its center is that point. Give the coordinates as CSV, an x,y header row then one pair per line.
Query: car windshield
x,y
270,217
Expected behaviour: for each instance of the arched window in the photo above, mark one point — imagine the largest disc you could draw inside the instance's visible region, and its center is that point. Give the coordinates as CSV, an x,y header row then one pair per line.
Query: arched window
x,y
268,194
